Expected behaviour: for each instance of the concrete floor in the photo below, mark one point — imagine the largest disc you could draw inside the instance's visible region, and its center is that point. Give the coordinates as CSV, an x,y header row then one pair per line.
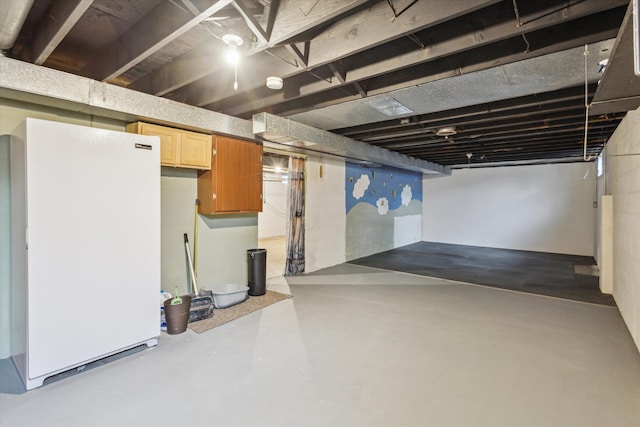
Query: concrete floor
x,y
357,346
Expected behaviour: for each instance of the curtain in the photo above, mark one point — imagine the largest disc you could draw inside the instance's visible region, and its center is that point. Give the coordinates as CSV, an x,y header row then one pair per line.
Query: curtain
x,y
295,231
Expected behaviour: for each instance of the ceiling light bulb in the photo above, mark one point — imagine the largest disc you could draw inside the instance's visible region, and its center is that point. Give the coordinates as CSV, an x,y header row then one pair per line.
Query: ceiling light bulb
x,y
232,55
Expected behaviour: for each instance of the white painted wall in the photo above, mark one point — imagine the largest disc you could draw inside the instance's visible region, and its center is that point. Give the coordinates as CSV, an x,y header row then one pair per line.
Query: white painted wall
x,y
325,218
272,221
622,181
406,230
222,239
544,208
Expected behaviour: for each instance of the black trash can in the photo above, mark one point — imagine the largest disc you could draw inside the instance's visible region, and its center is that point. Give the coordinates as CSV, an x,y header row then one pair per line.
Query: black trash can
x,y
257,271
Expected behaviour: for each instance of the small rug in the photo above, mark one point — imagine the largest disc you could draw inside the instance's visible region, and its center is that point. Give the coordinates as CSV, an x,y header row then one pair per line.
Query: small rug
x,y
225,315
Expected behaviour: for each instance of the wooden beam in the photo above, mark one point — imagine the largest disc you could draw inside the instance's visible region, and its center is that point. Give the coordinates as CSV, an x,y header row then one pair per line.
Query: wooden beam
x,y
378,15
494,33
190,6
377,25
360,89
338,72
251,22
503,108
271,11
161,26
289,23
252,74
193,66
58,20
442,70
300,55
295,17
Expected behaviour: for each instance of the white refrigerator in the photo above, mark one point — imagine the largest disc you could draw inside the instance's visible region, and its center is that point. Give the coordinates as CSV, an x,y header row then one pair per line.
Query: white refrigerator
x,y
85,214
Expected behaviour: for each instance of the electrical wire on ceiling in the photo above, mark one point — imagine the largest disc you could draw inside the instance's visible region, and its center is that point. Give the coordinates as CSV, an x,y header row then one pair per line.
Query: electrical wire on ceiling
x,y
417,41
519,24
515,9
586,105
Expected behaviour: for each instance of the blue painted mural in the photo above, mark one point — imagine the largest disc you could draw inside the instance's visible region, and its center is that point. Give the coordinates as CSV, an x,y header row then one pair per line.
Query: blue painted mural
x,y
383,187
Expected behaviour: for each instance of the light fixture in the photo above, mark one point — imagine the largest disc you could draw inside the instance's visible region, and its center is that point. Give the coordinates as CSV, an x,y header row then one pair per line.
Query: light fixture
x,y
274,83
446,131
389,106
233,41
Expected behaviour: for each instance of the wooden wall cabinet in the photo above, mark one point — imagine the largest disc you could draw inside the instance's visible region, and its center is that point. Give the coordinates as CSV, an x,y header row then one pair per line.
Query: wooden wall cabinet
x,y
234,183
178,148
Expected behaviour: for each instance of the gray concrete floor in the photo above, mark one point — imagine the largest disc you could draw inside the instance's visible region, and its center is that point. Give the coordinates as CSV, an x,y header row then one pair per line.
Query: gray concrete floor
x,y
358,346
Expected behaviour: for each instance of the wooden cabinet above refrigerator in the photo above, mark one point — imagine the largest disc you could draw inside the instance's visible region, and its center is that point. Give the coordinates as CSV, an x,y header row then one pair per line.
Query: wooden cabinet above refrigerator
x,y
178,148
234,183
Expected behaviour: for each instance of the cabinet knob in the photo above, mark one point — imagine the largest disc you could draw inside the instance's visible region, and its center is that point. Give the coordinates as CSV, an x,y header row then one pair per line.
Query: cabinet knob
x,y
213,196
214,152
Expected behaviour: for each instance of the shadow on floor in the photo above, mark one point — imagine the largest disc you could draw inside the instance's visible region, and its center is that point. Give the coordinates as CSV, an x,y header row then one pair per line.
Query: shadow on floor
x,y
532,272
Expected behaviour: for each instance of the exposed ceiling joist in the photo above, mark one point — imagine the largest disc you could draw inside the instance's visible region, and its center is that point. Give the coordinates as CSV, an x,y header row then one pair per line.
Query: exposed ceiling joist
x,y
438,61
59,20
301,55
491,110
356,34
337,71
495,32
289,22
261,34
297,17
189,68
375,33
162,25
252,74
507,76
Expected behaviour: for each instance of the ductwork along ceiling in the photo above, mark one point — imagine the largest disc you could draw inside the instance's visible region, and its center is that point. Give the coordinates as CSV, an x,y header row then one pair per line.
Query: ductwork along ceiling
x,y
456,83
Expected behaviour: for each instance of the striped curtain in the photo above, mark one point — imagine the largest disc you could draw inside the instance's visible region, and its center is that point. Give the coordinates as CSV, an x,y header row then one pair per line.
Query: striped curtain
x,y
295,231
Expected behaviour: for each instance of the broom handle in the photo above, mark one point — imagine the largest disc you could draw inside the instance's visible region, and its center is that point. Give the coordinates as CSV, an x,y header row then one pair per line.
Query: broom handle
x,y
195,240
193,276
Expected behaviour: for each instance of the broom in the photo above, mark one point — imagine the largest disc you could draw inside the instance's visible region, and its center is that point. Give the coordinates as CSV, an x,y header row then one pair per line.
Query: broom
x,y
201,300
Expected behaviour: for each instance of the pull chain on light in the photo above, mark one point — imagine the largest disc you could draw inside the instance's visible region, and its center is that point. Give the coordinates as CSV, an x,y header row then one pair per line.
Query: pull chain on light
x,y
233,42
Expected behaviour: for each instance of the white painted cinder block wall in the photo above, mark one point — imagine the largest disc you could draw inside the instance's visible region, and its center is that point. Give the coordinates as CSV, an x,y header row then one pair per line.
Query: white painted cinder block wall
x,y
272,221
325,218
622,181
543,208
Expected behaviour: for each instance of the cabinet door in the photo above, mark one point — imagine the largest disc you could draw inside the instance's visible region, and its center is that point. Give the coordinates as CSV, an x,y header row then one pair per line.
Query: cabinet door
x,y
234,183
169,142
195,150
230,174
253,201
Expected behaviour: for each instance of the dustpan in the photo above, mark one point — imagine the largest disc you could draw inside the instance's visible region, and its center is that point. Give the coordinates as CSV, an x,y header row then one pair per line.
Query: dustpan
x,y
201,300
